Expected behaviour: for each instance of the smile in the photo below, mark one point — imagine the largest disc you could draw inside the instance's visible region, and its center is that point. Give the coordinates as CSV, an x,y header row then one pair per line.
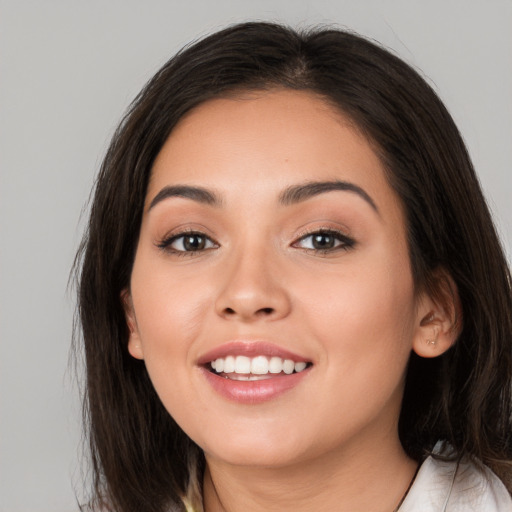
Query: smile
x,y
255,368
252,373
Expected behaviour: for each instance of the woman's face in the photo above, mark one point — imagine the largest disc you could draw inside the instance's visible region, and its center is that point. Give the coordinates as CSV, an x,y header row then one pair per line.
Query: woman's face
x,y
270,237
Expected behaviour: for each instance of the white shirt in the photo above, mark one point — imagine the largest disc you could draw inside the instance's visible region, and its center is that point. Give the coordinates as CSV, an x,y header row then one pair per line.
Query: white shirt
x,y
450,487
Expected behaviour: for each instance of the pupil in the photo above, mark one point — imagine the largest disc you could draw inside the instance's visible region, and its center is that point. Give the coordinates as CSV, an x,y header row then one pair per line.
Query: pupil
x,y
194,243
323,241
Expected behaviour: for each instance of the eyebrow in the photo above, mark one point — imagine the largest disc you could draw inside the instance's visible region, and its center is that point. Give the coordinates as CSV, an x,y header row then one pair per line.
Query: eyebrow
x,y
291,195
298,193
199,194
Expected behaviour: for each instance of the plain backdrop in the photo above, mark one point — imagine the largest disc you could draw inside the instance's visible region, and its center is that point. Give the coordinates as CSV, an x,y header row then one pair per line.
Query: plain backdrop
x,y
68,70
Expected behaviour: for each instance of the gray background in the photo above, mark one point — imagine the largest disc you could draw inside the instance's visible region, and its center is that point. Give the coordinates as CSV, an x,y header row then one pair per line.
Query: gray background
x,y
68,70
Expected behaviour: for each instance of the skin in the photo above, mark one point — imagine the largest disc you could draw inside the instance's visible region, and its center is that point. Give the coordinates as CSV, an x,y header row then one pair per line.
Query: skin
x,y
331,442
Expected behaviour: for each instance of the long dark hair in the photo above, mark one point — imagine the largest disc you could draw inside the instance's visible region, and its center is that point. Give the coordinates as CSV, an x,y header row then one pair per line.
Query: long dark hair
x,y
141,459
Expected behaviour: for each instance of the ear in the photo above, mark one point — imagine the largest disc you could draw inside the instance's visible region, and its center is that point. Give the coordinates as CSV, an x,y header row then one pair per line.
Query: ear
x,y
134,342
439,318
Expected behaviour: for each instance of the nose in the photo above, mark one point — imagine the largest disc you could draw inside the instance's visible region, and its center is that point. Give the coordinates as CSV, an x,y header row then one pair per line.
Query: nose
x,y
252,290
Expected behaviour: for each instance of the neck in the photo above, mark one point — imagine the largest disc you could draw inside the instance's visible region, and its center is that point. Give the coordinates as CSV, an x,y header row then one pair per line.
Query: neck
x,y
374,477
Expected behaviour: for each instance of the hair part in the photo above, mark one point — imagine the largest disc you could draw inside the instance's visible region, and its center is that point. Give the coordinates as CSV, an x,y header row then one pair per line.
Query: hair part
x,y
141,458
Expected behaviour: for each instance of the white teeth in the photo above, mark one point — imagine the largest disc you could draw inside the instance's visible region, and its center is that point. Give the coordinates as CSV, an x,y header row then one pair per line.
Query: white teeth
x,y
288,366
275,365
259,365
229,364
242,364
299,366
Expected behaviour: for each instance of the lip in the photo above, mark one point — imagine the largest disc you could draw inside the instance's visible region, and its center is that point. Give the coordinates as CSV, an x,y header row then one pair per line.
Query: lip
x,y
257,391
250,349
253,392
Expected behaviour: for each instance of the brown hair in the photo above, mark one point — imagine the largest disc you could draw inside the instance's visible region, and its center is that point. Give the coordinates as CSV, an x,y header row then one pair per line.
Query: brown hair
x,y
141,458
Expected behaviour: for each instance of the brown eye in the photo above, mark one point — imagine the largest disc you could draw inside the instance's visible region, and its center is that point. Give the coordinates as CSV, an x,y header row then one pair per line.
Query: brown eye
x,y
187,243
324,241
194,242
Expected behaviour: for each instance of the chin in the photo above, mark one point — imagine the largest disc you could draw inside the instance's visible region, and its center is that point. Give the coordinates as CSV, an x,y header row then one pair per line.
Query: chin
x,y
258,448
267,457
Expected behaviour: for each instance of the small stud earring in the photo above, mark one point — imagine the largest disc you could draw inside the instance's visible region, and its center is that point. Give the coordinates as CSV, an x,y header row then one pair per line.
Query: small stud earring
x,y
433,341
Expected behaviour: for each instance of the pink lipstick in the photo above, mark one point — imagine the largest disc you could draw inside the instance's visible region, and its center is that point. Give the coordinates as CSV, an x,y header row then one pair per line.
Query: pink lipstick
x,y
253,372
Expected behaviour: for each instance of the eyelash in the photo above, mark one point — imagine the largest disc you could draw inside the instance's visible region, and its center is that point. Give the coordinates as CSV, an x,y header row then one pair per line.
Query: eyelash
x,y
344,242
166,243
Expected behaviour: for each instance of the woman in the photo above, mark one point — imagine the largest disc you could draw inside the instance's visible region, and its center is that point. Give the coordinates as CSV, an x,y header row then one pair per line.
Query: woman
x,y
292,296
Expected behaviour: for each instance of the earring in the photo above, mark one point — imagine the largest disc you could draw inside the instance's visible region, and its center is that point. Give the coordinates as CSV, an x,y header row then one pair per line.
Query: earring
x,y
433,341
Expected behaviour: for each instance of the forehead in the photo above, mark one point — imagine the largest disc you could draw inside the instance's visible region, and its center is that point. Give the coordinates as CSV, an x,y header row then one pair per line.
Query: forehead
x,y
265,141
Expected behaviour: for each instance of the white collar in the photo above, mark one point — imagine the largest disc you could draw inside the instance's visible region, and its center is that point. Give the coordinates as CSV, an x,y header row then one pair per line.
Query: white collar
x,y
443,486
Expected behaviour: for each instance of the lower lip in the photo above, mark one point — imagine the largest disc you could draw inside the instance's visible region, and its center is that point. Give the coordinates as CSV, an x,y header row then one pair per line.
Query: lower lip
x,y
255,391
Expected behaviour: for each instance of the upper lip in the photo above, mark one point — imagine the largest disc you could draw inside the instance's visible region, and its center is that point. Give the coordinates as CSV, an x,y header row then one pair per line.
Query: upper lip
x,y
249,349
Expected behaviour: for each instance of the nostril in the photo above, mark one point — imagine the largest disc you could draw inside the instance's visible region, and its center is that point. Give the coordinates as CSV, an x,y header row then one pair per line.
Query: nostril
x,y
262,311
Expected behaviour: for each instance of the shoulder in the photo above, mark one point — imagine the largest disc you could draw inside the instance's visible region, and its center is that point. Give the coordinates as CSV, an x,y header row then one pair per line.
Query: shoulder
x,y
456,487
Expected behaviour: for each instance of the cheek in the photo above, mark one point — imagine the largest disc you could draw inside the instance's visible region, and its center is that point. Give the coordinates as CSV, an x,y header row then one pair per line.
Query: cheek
x,y
365,317
168,322
365,323
169,307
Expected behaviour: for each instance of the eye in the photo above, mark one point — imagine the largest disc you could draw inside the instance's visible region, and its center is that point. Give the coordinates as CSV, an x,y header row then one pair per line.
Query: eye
x,y
324,241
187,243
